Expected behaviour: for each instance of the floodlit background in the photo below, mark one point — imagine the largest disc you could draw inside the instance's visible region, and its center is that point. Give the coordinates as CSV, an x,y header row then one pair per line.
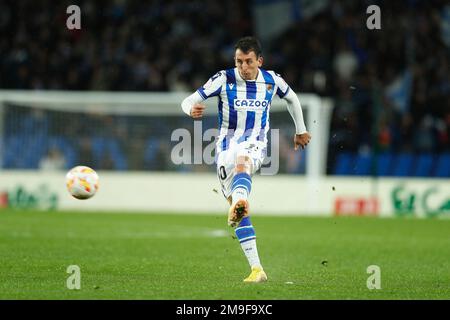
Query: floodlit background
x,y
377,102
389,89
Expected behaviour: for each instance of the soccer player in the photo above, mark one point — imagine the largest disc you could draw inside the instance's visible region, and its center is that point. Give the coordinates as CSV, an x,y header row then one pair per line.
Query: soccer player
x,y
245,94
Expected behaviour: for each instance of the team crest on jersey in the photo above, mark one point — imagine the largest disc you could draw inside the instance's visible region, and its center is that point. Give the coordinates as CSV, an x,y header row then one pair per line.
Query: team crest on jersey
x,y
269,88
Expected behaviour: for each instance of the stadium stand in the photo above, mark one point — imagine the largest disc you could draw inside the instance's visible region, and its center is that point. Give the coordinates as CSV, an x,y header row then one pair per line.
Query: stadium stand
x,y
407,100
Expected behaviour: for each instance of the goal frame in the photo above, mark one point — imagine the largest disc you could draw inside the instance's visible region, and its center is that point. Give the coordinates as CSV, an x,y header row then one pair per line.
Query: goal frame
x,y
318,117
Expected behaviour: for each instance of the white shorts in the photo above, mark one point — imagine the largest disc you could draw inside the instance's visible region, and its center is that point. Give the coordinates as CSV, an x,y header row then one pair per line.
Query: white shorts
x,y
226,161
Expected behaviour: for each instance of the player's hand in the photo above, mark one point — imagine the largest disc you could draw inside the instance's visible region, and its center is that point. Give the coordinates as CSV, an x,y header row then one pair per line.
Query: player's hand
x,y
301,140
197,110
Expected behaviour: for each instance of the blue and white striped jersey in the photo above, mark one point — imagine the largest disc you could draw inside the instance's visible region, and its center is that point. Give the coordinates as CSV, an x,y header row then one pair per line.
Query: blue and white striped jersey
x,y
244,105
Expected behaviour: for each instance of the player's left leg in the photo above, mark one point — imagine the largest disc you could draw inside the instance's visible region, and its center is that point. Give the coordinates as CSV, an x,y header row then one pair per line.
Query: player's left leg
x,y
239,210
247,238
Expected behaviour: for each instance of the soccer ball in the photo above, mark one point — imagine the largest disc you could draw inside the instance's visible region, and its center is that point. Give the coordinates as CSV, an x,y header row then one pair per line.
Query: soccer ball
x,y
82,182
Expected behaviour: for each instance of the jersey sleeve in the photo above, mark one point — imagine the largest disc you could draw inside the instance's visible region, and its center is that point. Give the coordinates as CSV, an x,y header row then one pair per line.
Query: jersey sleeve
x,y
213,86
282,87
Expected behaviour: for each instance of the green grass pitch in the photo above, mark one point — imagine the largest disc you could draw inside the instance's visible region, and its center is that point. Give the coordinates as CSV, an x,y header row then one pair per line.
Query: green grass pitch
x,y
177,256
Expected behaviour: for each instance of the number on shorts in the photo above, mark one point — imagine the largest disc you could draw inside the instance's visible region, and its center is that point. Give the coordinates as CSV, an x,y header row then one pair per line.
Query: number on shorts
x,y
222,173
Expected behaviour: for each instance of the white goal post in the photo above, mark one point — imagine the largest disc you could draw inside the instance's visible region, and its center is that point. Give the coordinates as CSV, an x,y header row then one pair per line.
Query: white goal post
x,y
318,112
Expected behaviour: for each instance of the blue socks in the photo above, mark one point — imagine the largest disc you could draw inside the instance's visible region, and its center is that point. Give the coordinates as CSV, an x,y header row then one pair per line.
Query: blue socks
x,y
241,186
245,230
247,238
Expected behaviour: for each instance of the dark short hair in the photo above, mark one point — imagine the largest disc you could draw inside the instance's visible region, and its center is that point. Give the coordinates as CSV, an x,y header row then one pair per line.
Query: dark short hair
x,y
248,44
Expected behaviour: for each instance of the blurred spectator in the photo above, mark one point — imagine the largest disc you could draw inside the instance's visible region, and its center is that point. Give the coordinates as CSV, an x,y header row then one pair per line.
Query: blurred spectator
x,y
85,152
54,160
345,62
391,86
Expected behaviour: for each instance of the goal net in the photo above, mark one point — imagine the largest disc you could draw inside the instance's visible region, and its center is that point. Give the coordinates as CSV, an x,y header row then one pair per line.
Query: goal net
x,y
137,132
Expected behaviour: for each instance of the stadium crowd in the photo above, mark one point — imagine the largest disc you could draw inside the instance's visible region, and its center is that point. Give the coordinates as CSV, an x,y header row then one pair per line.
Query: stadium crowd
x,y
391,86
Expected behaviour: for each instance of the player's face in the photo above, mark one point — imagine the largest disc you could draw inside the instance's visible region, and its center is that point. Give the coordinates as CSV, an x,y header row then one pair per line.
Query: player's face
x,y
247,64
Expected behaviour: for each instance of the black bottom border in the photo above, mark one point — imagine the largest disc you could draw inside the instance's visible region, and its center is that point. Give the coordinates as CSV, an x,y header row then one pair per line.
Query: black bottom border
x,y
212,309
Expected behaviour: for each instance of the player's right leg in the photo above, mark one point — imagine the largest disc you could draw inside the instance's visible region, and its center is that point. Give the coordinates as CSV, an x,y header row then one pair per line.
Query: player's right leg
x,y
246,165
240,190
234,172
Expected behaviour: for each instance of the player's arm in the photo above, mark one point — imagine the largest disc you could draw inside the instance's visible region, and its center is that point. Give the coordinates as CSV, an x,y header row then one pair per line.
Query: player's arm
x,y
192,105
302,137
